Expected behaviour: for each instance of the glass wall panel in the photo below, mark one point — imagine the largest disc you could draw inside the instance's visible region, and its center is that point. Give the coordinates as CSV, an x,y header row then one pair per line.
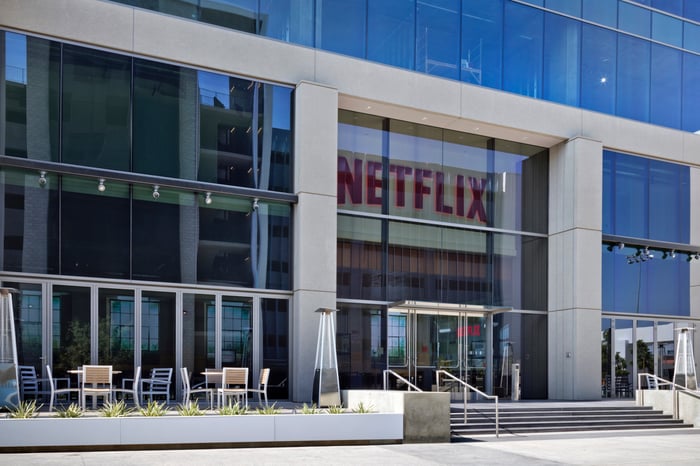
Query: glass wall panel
x,y
667,29
482,42
598,68
29,126
70,334
341,26
669,188
234,14
288,20
391,32
634,19
437,27
562,53
236,332
623,350
164,137
158,332
666,353
522,51
645,348
360,263
361,332
691,93
96,110
164,244
633,82
198,334
115,338
600,11
672,6
29,211
665,96
631,186
520,339
27,305
275,345
691,37
606,360
94,229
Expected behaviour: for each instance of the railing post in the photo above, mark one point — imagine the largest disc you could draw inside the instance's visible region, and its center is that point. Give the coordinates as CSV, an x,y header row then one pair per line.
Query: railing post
x,y
496,417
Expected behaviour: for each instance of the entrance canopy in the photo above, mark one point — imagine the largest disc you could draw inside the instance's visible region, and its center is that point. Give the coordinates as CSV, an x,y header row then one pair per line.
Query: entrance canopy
x,y
428,307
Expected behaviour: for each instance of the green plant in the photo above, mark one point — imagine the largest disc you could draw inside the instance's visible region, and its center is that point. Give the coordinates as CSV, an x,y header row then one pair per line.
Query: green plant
x,y
189,409
117,409
362,409
25,410
336,409
73,410
270,409
154,409
233,409
306,409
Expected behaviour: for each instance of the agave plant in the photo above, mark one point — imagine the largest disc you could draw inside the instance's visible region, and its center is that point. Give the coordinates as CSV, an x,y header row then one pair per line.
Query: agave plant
x,y
361,408
73,410
235,409
154,409
335,409
270,409
117,409
25,409
189,409
306,409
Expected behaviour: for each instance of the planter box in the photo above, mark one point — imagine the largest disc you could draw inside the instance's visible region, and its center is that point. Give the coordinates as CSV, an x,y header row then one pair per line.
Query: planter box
x,y
199,430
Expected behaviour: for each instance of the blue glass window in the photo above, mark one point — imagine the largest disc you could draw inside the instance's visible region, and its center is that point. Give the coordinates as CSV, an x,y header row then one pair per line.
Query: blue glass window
x,y
482,42
634,19
562,48
665,104
671,6
691,37
598,69
437,27
669,209
391,32
522,54
288,20
667,29
600,11
341,26
570,7
633,70
691,93
691,10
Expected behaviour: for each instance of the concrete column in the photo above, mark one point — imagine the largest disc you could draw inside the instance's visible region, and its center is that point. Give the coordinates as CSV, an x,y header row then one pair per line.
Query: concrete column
x,y
315,225
575,264
694,265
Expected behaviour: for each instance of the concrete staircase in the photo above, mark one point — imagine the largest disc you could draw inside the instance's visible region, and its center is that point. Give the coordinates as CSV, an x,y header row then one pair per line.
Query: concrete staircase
x,y
552,417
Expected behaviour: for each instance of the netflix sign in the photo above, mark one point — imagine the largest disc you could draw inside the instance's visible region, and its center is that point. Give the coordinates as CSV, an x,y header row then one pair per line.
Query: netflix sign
x,y
414,189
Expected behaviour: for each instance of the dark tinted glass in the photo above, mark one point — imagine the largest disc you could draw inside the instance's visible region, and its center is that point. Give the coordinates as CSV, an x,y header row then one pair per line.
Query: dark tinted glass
x,y
288,20
361,332
94,229
96,109
275,331
165,101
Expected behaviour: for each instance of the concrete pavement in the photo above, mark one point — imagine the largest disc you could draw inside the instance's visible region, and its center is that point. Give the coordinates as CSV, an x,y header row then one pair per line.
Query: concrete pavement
x,y
680,447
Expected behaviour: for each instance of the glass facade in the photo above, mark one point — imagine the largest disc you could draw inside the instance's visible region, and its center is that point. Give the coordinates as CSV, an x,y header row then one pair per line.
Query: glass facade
x,y
593,54
646,201
128,117
433,215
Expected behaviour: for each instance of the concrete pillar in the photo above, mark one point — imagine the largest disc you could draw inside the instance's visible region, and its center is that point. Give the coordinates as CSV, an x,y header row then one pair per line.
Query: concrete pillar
x,y
315,225
694,265
575,267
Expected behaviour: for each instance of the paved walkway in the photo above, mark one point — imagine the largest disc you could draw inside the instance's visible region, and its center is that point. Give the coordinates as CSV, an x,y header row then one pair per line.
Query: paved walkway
x,y
608,448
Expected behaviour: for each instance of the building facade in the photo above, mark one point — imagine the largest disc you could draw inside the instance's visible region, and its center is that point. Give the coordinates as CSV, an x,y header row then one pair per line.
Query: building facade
x,y
472,184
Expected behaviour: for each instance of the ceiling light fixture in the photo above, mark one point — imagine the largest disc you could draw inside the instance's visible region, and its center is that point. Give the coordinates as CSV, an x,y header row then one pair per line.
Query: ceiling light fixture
x,y
156,194
207,198
42,178
101,185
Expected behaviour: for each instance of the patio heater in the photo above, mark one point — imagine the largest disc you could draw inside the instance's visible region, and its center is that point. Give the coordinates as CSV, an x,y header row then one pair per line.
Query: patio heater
x,y
9,389
684,367
326,390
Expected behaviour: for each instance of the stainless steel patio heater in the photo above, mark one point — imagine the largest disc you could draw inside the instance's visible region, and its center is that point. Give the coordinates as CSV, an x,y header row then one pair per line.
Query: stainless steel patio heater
x,y
9,389
684,367
326,390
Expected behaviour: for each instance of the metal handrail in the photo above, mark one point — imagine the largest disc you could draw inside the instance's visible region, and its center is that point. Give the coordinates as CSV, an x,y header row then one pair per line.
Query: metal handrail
x,y
466,387
663,382
386,380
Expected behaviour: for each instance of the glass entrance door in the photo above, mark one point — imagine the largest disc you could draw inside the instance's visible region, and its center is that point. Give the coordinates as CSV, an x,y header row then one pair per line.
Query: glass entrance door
x,y
421,341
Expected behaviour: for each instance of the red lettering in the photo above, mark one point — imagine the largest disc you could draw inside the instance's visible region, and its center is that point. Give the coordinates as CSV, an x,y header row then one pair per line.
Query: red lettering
x,y
349,181
374,183
401,173
459,196
420,189
440,194
476,209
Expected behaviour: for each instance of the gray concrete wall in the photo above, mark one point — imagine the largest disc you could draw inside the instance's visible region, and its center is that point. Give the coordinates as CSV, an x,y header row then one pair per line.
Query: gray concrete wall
x,y
426,414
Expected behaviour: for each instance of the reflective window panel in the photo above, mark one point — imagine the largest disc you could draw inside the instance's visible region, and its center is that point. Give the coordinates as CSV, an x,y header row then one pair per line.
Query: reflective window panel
x,y
275,345
115,334
361,334
70,321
